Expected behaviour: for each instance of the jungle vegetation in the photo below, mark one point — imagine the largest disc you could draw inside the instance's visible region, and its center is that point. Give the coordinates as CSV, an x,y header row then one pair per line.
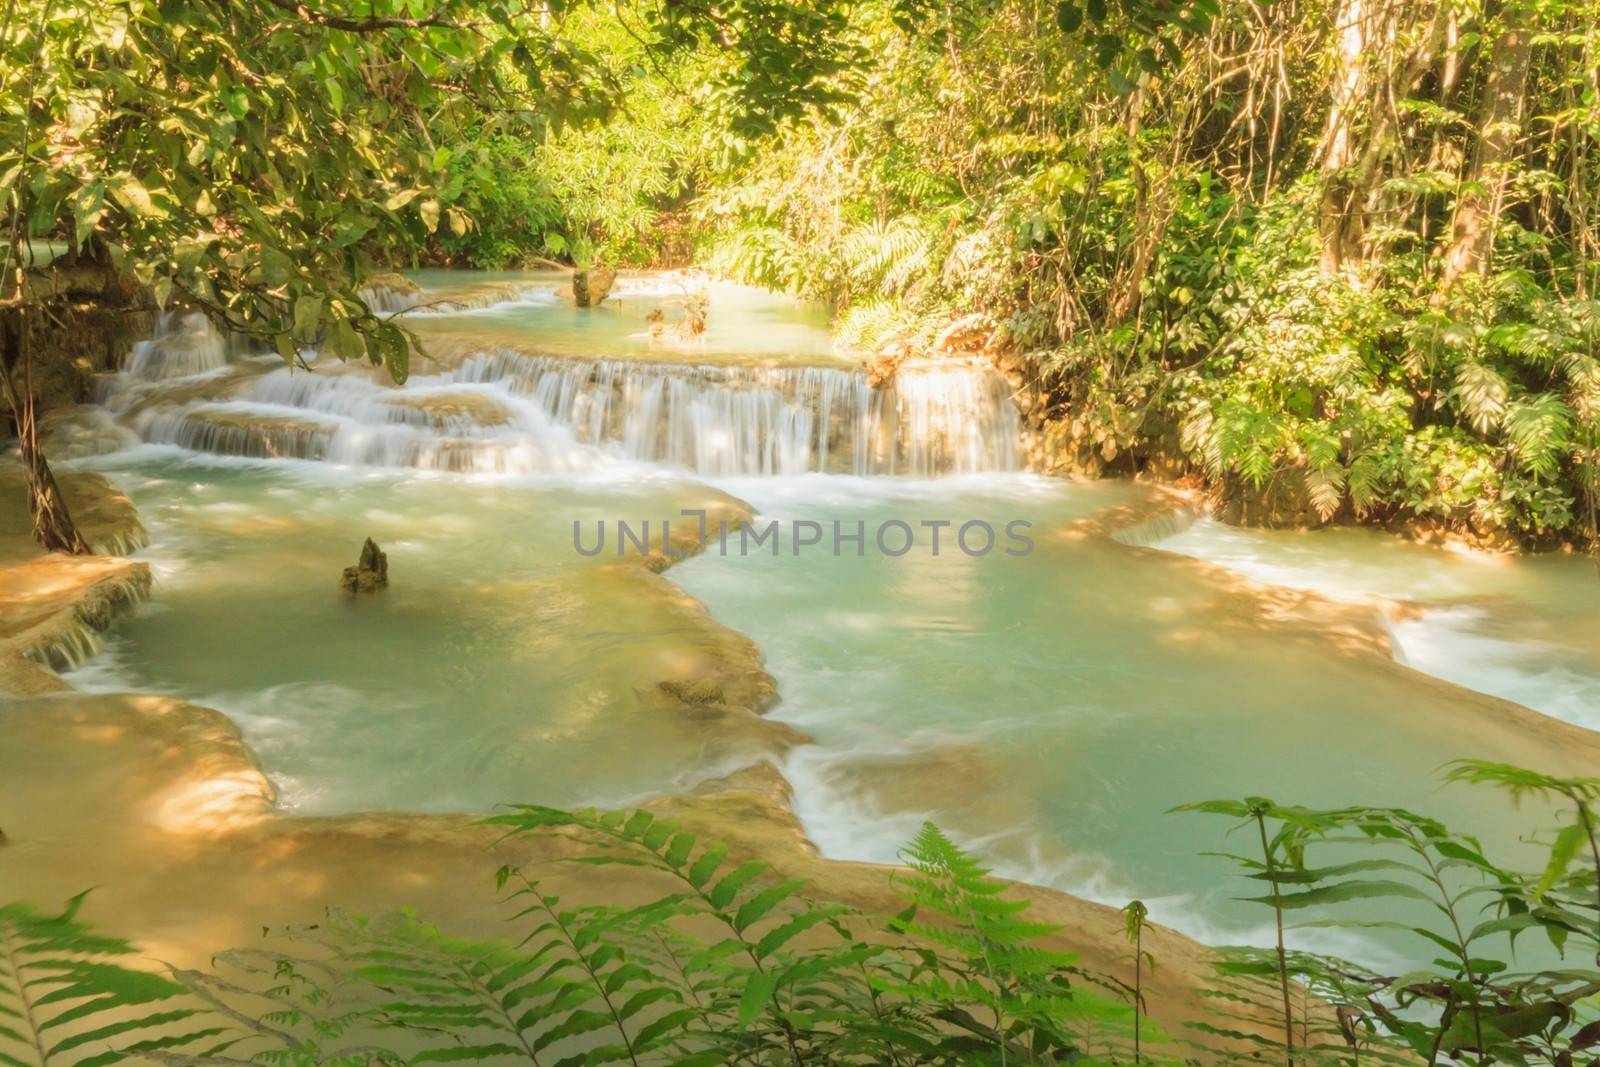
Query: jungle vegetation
x,y
735,966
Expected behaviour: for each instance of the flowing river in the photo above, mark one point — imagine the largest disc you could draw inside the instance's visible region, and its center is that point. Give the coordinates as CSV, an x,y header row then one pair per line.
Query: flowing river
x,y
1046,706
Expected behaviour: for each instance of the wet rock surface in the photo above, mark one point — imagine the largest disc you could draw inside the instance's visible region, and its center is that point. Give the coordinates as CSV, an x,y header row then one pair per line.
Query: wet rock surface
x,y
370,574
591,287
52,605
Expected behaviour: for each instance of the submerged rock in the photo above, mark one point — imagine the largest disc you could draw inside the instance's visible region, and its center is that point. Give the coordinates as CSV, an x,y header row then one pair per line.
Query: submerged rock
x,y
370,574
885,363
391,293
53,605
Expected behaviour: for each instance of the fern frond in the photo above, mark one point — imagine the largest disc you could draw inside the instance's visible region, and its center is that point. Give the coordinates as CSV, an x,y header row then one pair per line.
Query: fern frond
x,y
1481,394
1540,430
66,1000
890,256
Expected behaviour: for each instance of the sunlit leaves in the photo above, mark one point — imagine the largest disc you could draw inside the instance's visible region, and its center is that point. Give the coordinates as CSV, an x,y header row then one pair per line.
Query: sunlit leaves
x,y
254,159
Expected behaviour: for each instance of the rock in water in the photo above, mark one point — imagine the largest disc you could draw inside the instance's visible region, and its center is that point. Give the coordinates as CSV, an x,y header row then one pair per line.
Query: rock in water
x,y
694,691
591,287
369,575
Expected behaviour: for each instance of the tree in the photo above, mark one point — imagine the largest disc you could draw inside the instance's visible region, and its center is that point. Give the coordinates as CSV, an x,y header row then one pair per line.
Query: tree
x,y
254,159
1499,126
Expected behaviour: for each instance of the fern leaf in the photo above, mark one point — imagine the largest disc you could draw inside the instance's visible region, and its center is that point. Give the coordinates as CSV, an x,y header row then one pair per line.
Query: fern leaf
x,y
1482,395
70,1003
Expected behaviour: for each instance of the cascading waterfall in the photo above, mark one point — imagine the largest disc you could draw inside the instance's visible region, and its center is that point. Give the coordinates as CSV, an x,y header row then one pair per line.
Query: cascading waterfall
x,y
184,345
506,412
770,420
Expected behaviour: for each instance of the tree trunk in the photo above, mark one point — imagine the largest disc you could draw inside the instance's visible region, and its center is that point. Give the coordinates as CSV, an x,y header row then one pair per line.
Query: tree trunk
x,y
1380,63
53,527
1339,220
1499,124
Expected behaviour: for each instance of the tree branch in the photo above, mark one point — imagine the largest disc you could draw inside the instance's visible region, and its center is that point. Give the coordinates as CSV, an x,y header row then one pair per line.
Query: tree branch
x,y
367,24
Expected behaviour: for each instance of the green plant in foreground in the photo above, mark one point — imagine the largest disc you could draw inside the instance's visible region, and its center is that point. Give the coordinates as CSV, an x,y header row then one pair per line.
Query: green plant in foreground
x,y
1279,850
1437,888
724,964
1138,918
66,999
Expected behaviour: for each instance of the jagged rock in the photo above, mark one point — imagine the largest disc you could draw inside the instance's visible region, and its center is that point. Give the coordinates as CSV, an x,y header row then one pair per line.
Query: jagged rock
x,y
369,575
591,287
694,313
391,292
693,691
967,334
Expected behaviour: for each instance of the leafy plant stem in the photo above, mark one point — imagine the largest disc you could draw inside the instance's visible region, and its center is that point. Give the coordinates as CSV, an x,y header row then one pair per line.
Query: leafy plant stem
x,y
1260,816
1586,820
25,998
600,986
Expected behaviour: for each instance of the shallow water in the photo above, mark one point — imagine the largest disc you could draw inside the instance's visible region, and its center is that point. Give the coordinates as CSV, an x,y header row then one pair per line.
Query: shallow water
x,y
1523,628
1047,708
743,324
497,666
1050,709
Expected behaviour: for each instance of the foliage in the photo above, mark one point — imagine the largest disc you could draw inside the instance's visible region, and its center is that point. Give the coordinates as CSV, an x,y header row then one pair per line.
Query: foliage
x,y
66,999
1439,889
725,963
252,159
728,966
1178,253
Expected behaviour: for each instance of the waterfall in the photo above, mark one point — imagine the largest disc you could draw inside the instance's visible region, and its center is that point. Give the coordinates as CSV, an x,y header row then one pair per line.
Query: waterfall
x,y
736,420
184,345
507,412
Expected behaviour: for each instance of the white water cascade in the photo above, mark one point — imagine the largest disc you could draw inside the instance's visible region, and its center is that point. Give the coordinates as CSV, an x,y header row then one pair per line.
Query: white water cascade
x,y
506,412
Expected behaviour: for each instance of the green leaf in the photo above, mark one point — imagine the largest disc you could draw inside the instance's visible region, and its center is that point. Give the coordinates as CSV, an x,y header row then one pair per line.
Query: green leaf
x,y
428,211
401,199
307,317
1562,850
345,342
461,1053
758,991
134,198
1341,892
761,905
707,865
723,893
276,267
782,934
